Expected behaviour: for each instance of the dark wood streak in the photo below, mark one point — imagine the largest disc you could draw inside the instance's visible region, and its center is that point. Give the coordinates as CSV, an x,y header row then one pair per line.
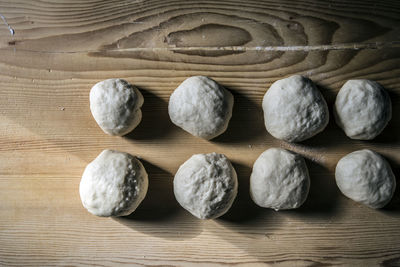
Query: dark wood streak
x,y
209,34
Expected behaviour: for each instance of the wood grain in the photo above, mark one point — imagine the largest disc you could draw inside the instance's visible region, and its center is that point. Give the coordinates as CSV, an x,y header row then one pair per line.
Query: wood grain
x,y
61,48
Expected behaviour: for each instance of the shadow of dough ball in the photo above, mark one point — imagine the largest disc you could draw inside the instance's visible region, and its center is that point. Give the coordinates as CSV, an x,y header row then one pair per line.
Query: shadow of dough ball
x,y
206,185
113,184
362,109
294,109
115,105
279,180
366,177
201,107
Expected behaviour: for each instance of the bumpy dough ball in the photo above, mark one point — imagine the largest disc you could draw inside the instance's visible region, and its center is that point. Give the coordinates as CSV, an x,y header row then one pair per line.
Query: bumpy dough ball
x,y
201,107
294,109
206,185
113,184
366,177
279,180
115,105
362,109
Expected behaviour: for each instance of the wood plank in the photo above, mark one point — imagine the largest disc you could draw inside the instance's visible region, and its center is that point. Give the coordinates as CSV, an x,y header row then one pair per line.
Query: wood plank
x,y
61,48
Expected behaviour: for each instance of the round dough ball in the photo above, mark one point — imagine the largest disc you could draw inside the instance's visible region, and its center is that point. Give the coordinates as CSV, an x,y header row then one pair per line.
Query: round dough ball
x,y
115,105
201,107
294,109
206,185
279,180
362,109
113,184
366,177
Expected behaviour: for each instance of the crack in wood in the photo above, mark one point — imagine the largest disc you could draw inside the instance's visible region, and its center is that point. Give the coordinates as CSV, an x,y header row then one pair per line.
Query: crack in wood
x,y
304,48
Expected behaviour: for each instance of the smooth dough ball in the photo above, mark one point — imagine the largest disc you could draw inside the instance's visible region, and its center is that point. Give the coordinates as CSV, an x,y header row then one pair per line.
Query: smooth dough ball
x,y
362,109
366,177
206,185
113,184
294,109
279,180
115,105
201,107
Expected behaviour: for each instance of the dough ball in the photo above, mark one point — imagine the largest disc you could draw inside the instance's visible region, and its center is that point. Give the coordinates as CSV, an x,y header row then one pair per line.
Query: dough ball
x,y
366,177
294,109
206,185
113,184
115,105
201,107
279,180
362,109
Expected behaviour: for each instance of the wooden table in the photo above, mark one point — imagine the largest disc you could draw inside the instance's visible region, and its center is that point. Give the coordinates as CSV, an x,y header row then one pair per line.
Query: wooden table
x,y
60,49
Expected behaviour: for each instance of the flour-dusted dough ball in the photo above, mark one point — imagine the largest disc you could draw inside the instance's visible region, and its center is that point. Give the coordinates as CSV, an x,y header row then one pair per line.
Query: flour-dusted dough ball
x,y
201,107
279,180
362,109
206,185
366,177
113,184
294,109
115,105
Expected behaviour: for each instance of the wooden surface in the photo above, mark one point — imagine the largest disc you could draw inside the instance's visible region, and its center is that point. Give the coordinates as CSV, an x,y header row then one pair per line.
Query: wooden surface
x,y
47,135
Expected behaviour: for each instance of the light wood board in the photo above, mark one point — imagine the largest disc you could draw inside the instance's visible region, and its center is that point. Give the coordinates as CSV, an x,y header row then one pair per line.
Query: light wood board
x,y
60,49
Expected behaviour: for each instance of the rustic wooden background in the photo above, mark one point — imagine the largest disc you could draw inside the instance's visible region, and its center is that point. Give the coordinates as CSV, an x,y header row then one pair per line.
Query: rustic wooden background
x,y
47,135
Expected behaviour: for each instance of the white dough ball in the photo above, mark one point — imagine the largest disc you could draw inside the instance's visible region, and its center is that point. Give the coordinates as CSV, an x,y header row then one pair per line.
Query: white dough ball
x,y
115,105
366,177
294,109
362,109
279,180
206,185
201,107
113,184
